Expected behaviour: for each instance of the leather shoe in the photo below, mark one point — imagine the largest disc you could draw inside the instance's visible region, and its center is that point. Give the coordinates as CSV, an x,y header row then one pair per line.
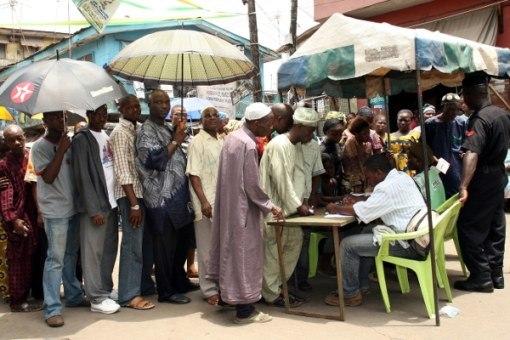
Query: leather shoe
x,y
471,286
177,298
55,321
498,282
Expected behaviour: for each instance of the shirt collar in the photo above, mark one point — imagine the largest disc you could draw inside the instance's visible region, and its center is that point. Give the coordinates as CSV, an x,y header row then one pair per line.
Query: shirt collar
x,y
127,124
249,133
206,135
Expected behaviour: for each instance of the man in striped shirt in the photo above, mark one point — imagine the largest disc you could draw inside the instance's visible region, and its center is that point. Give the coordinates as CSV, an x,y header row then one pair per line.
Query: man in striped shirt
x,y
395,200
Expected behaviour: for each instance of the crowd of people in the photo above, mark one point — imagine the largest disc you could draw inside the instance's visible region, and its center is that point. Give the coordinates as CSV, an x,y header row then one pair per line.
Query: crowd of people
x,y
171,192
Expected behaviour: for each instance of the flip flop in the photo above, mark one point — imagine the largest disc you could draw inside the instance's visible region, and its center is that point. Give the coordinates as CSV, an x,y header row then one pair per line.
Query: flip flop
x,y
140,303
26,307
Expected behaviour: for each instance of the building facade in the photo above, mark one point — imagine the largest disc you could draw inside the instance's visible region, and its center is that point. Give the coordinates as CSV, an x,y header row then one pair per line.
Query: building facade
x,y
16,44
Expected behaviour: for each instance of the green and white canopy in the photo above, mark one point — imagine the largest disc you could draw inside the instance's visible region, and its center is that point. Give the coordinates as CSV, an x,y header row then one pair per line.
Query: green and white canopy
x,y
345,54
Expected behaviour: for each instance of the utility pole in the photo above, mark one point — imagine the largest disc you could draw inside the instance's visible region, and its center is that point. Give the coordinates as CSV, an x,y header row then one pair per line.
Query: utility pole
x,y
293,24
254,43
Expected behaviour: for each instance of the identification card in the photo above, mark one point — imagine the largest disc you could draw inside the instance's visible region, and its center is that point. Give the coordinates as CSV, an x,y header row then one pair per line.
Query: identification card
x,y
442,165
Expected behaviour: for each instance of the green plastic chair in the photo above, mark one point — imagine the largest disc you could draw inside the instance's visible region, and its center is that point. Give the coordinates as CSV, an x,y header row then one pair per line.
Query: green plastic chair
x,y
313,253
451,232
437,192
420,267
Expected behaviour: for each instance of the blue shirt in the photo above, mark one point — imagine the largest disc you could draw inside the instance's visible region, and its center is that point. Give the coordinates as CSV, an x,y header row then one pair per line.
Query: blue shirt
x,y
445,139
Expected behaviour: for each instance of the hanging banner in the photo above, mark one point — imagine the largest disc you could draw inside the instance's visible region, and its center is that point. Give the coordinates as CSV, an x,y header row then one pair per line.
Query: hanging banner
x,y
219,97
97,12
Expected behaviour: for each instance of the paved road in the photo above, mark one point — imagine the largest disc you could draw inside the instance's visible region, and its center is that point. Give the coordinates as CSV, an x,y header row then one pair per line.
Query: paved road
x,y
482,316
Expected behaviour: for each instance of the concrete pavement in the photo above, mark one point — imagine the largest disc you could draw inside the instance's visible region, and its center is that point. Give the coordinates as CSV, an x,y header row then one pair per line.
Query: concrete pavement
x,y
482,316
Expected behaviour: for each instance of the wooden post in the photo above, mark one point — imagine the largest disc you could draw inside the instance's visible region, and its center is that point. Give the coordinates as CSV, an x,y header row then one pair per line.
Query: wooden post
x,y
293,24
254,43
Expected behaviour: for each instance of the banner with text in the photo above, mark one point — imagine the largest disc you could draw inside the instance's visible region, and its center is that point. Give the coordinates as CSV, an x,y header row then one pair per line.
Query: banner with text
x,y
97,12
219,97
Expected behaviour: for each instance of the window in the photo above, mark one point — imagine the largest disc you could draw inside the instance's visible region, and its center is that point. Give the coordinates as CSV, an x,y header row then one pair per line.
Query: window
x,y
2,51
87,57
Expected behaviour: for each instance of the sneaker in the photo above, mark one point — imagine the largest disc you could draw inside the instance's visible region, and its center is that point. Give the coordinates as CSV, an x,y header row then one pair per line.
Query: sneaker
x,y
114,295
256,317
107,306
55,321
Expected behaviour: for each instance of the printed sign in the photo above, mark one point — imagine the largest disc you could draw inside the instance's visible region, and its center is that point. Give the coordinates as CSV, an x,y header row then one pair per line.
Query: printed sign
x,y
219,97
97,12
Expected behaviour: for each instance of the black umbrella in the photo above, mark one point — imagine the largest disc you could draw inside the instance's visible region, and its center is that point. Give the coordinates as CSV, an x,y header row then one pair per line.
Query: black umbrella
x,y
59,85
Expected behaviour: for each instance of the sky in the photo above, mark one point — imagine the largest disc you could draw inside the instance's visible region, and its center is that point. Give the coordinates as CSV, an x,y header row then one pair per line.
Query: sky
x,y
273,16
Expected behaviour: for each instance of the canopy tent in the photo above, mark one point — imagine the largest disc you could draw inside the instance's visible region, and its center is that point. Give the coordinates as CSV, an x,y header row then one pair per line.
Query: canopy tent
x,y
348,57
345,54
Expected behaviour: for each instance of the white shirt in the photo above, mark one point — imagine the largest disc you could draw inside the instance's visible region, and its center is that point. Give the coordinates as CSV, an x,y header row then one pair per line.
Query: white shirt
x,y
106,156
203,161
395,201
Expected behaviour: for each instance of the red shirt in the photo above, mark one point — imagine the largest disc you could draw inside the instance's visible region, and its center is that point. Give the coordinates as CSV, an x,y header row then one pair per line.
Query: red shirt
x,y
13,198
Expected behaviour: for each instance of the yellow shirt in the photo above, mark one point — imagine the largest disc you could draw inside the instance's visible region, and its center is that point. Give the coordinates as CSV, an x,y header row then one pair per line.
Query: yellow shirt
x,y
203,161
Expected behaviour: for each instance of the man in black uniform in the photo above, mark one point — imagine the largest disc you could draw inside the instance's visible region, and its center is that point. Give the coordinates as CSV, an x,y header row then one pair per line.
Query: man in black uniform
x,y
481,225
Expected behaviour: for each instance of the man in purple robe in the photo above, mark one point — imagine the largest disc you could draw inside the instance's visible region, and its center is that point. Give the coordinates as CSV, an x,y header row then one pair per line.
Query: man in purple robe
x,y
237,246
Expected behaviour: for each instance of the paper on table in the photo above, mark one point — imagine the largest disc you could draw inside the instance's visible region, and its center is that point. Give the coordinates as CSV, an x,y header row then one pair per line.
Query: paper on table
x,y
336,216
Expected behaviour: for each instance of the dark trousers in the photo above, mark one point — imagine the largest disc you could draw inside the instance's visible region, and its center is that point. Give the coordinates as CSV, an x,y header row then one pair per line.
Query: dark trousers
x,y
481,227
244,311
38,259
170,250
300,274
147,285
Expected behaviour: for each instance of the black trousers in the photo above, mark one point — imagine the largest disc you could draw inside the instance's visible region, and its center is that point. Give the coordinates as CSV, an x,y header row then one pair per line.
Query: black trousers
x,y
147,285
244,311
170,250
481,226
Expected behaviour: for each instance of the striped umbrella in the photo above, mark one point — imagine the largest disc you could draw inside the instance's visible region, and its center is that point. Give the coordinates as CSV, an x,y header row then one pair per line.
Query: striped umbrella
x,y
182,57
344,64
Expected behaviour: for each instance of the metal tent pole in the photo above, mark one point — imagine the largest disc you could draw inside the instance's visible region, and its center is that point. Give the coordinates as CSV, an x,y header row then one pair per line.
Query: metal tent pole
x,y
387,113
427,192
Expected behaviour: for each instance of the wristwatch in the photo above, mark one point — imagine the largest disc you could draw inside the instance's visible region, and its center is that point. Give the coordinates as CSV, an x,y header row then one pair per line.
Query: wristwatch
x,y
135,207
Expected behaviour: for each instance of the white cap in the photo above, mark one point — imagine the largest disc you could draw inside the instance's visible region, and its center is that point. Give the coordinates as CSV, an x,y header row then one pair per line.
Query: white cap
x,y
305,116
429,109
256,111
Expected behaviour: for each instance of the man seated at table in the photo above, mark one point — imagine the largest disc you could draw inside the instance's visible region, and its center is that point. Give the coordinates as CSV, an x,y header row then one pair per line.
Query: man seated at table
x,y
395,200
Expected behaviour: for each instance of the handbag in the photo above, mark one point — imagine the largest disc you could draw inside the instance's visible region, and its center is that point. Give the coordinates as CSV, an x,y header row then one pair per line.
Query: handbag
x,y
418,222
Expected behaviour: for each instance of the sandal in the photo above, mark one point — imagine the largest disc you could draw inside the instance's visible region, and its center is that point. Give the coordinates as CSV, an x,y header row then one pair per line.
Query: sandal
x,y
213,300
139,303
26,307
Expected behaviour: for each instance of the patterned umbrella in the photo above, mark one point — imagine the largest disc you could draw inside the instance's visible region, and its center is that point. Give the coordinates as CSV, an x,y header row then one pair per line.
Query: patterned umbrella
x,y
59,85
344,64
182,57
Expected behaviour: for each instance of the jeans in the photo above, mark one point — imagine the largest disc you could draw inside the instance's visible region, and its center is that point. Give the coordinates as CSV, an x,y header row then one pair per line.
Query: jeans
x,y
60,265
357,252
131,262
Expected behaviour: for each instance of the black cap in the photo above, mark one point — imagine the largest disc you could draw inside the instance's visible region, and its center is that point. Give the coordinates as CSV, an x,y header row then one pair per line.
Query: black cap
x,y
475,79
